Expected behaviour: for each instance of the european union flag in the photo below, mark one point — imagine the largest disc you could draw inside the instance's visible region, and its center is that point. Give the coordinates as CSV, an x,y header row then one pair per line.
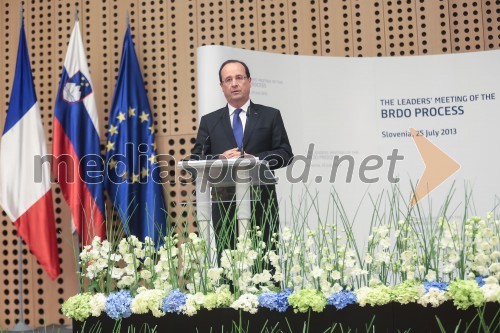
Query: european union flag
x,y
133,173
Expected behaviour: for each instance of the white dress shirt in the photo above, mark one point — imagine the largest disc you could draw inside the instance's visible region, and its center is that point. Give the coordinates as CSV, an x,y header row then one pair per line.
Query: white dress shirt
x,y
243,114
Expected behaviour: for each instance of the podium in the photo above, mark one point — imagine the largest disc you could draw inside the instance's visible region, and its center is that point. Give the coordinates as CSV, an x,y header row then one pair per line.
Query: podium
x,y
241,173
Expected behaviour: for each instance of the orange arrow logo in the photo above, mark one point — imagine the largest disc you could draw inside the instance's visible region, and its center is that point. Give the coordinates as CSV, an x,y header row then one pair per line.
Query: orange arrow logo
x,y
438,167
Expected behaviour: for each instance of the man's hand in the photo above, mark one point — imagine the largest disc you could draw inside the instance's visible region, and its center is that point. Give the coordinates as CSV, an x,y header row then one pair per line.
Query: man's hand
x,y
231,153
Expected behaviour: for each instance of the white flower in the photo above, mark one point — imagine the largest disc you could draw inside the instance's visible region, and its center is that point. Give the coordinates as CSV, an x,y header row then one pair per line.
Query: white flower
x,y
116,273
374,282
311,257
140,253
336,275
356,271
246,302
115,257
193,303
278,277
123,246
287,234
350,262
491,292
296,269
148,262
252,255
97,304
263,277
297,280
316,272
105,246
128,258
336,288
453,257
362,294
368,258
383,231
134,241
447,269
328,267
431,275
130,269
490,280
385,243
225,260
494,267
434,297
146,275
214,274
125,281
407,255
326,288
273,258
96,242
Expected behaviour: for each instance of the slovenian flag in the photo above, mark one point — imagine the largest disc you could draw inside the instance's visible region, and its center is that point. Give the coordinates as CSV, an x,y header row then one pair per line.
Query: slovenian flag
x,y
78,165
133,177
25,188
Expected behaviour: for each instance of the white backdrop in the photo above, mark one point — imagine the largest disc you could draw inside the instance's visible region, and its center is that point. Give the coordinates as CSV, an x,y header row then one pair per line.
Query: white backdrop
x,y
337,104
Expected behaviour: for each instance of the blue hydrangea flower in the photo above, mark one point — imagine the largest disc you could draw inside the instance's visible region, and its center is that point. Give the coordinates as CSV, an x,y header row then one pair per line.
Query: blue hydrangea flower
x,y
443,286
480,280
268,300
174,302
118,305
275,301
282,300
341,299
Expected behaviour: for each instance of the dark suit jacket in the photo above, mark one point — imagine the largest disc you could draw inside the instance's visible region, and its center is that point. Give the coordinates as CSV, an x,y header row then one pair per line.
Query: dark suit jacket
x,y
264,137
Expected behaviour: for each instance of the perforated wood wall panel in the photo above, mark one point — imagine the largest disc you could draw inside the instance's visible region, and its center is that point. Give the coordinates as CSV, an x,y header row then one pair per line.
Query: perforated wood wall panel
x,y
336,20
433,16
166,35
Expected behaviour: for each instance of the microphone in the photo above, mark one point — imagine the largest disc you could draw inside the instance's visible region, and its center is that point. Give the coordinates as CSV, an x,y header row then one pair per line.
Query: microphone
x,y
242,150
202,157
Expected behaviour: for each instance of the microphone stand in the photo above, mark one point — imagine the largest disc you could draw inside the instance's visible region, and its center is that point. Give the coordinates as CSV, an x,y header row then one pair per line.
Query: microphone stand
x,y
242,149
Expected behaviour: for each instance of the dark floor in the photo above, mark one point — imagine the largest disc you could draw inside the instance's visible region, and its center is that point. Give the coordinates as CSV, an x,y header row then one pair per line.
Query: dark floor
x,y
48,329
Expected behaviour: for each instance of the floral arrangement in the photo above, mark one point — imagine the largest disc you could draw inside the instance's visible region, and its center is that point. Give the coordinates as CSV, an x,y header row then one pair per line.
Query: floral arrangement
x,y
407,259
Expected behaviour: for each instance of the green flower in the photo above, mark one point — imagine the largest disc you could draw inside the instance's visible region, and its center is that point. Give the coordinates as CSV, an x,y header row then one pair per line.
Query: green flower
x,y
78,307
378,295
222,297
304,299
210,301
149,300
407,292
465,293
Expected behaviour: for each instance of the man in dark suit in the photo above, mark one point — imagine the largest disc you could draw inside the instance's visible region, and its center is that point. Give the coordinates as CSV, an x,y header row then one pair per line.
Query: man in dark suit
x,y
242,126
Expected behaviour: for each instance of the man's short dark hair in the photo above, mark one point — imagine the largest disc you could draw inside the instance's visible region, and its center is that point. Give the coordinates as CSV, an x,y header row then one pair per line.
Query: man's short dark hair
x,y
247,71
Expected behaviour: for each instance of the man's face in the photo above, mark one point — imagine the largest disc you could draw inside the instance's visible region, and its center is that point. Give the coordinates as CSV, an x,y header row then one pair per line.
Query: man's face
x,y
237,90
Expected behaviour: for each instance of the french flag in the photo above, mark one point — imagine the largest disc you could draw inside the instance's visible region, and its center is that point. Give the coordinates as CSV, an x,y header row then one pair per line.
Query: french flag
x,y
78,165
25,188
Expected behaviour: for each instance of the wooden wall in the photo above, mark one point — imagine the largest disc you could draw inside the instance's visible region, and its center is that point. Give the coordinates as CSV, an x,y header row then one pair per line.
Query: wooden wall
x,y
166,35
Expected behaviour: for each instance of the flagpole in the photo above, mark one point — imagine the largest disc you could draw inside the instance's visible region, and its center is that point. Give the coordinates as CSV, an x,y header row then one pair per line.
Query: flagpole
x,y
21,325
78,243
23,103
